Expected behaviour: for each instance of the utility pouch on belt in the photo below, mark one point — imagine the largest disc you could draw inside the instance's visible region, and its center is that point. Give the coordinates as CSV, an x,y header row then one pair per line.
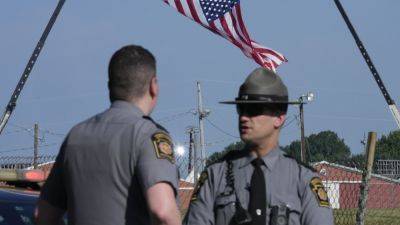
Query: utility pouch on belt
x,y
279,215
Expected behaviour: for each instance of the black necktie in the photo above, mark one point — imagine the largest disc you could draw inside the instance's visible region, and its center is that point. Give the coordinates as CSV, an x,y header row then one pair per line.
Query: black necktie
x,y
258,196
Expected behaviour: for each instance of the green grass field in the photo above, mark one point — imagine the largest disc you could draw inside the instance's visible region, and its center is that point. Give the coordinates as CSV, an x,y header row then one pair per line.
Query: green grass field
x,y
373,216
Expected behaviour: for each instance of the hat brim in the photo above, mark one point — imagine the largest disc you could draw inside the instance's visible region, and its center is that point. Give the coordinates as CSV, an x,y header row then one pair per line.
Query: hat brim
x,y
259,101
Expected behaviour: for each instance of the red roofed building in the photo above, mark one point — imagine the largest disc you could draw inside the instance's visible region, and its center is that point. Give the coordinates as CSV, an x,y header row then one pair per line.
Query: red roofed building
x,y
343,186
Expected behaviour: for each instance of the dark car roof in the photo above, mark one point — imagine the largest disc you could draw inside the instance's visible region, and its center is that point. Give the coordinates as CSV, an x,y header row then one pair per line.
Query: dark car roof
x,y
18,195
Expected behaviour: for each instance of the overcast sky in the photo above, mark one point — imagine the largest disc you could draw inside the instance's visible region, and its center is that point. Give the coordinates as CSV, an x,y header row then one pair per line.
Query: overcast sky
x,y
68,83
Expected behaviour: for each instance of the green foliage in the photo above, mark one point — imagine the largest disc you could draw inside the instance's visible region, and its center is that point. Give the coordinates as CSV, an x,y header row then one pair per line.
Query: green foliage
x,y
327,146
355,161
324,146
218,155
293,149
388,147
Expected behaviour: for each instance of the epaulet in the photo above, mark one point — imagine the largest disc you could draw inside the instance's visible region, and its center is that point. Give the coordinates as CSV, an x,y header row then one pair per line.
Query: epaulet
x,y
155,123
301,163
228,156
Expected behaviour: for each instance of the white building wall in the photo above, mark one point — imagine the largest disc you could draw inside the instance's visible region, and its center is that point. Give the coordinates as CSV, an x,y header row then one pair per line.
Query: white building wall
x,y
333,189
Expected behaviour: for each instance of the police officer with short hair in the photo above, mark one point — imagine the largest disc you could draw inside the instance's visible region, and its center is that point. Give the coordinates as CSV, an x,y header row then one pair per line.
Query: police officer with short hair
x,y
118,166
259,184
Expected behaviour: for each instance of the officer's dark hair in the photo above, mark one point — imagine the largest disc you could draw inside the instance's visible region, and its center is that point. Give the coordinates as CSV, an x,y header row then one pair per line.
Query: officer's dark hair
x,y
130,71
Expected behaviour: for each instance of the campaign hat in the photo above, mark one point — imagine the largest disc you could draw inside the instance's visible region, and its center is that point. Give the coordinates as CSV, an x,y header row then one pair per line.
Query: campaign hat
x,y
262,86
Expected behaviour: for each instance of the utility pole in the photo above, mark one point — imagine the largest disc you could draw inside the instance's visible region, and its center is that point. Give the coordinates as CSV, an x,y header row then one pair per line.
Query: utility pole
x,y
196,158
193,156
303,144
191,146
366,177
35,146
304,99
202,115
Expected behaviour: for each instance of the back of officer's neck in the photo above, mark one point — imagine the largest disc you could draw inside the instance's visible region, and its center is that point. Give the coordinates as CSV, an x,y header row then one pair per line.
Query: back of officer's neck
x,y
146,105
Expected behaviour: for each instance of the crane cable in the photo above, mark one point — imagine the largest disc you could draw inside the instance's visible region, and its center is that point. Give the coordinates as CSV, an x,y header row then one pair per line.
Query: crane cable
x,y
392,106
32,60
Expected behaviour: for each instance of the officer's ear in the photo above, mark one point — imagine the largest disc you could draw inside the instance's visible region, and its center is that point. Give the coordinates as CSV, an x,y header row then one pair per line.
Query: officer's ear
x,y
279,120
153,89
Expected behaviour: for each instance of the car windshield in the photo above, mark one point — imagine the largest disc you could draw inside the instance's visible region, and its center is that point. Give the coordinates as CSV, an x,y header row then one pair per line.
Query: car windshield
x,y
16,214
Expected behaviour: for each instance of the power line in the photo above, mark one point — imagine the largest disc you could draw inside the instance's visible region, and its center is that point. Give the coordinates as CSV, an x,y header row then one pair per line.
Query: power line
x,y
29,148
170,118
208,144
287,132
221,130
52,98
291,121
43,131
52,133
13,132
216,142
348,117
30,132
220,81
22,128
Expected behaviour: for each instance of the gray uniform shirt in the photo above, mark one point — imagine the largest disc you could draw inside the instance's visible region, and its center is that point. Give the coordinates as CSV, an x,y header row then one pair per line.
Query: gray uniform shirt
x,y
105,166
287,183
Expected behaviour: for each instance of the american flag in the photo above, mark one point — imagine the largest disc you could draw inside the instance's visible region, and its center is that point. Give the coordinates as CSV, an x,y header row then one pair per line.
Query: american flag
x,y
223,17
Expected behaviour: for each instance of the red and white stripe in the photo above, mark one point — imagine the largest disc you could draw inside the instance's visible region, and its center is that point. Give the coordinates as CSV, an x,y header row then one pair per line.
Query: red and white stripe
x,y
231,27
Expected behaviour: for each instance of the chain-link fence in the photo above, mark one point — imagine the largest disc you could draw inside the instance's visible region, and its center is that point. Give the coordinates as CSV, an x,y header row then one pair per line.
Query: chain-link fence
x,y
25,162
343,185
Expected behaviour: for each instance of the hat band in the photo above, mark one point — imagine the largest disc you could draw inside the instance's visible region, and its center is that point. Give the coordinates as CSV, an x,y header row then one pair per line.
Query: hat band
x,y
267,98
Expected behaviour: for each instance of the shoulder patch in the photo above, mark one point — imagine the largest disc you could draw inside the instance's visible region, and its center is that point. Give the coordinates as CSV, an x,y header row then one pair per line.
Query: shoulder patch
x,y
320,193
163,146
203,177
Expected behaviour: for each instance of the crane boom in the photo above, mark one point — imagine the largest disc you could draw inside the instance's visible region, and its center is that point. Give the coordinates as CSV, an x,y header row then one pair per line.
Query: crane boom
x,y
392,106
32,60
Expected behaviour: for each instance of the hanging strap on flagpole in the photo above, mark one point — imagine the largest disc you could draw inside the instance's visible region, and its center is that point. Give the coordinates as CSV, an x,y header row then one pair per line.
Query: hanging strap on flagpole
x,y
392,106
395,112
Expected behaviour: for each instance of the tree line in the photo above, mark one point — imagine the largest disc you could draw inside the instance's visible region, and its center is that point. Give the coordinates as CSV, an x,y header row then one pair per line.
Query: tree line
x,y
328,146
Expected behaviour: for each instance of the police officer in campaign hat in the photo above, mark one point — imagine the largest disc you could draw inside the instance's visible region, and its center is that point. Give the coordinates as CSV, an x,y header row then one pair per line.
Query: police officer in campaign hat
x,y
118,166
259,184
